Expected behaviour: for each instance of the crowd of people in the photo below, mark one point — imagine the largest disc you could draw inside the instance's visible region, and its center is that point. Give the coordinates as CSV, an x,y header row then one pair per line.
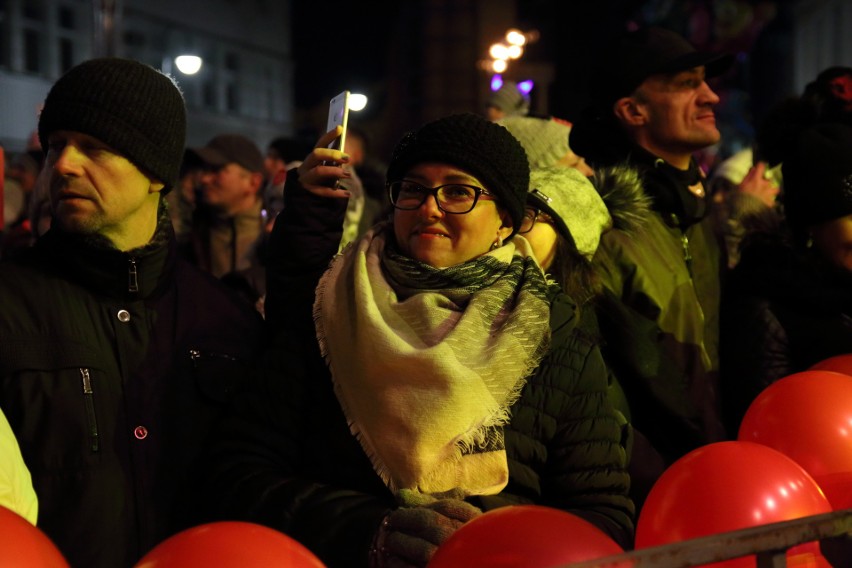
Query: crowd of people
x,y
516,309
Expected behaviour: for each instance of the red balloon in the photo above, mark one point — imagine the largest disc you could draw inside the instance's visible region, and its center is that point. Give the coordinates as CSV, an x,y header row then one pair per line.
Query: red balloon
x,y
24,546
838,364
524,536
837,488
229,544
808,417
730,486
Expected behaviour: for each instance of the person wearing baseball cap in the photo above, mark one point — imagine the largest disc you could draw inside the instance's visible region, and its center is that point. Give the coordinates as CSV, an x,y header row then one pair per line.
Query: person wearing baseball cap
x,y
106,336
228,227
652,108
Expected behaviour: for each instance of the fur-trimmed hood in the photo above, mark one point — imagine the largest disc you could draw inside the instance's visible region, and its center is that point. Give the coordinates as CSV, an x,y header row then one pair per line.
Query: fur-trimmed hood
x,y
620,187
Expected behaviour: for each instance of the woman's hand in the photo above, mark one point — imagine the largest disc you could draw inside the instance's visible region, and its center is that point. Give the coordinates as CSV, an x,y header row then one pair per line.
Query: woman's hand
x,y
324,167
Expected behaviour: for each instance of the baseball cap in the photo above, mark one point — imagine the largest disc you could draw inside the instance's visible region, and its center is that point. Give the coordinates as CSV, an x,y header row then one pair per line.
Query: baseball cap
x,y
227,148
637,55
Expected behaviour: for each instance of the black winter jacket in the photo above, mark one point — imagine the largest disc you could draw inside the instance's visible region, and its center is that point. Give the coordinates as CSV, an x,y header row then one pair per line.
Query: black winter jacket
x,y
113,366
287,458
782,312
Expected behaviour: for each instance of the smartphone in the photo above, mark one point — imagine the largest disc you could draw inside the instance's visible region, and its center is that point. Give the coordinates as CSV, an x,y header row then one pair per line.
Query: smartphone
x,y
338,115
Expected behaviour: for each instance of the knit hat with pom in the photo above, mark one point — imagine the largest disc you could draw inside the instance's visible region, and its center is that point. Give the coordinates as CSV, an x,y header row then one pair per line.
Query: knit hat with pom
x,y
125,104
480,147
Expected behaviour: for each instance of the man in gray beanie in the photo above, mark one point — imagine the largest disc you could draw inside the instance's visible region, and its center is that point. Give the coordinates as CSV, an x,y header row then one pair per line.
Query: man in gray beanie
x,y
115,356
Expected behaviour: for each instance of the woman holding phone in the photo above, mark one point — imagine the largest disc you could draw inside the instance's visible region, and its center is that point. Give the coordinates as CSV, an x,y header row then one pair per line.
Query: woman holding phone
x,y
430,373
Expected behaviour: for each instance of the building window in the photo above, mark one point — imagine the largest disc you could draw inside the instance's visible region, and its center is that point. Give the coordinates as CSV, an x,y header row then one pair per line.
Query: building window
x,y
67,18
32,51
233,98
4,34
209,95
66,54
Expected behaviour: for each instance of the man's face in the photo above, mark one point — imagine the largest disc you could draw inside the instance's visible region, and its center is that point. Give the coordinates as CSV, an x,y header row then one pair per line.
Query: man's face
x,y
678,112
95,190
230,189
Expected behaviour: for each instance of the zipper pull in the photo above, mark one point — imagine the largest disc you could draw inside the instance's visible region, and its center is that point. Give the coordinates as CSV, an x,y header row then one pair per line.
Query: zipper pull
x,y
88,397
687,254
133,277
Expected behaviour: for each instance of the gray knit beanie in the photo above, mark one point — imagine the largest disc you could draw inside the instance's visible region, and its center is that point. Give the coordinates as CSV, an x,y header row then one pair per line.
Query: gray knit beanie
x,y
580,214
125,104
480,147
545,140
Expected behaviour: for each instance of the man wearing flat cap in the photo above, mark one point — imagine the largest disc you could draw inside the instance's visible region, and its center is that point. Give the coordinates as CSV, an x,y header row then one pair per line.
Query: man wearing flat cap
x,y
652,107
115,356
228,228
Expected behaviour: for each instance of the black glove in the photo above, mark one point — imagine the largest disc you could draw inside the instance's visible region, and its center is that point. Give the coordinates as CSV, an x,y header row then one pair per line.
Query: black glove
x,y
410,535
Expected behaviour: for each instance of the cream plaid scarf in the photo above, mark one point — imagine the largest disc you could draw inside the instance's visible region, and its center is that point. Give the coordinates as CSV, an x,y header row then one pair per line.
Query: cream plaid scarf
x,y
426,362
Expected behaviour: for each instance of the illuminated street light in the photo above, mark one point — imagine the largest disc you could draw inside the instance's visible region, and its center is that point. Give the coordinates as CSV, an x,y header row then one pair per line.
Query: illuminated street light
x,y
515,37
188,64
515,51
499,65
499,51
357,101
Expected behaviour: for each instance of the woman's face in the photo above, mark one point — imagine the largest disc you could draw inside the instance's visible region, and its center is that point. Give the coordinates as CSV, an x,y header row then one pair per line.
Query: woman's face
x,y
833,239
542,238
442,239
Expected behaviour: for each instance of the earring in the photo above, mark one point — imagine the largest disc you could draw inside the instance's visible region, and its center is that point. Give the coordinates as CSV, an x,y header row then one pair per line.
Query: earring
x,y
497,243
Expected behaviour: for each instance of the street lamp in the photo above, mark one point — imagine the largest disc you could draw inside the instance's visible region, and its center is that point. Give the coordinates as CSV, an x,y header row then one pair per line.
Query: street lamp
x,y
357,101
188,64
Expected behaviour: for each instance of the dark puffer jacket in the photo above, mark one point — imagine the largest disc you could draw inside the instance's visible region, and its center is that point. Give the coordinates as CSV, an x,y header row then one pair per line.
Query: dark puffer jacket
x,y
287,458
113,366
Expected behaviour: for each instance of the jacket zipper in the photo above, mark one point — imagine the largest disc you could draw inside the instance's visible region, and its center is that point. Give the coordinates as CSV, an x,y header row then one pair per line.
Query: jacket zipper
x,y
89,400
687,254
132,277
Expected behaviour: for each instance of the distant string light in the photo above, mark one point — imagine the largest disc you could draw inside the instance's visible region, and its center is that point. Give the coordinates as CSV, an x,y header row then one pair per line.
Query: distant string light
x,y
511,47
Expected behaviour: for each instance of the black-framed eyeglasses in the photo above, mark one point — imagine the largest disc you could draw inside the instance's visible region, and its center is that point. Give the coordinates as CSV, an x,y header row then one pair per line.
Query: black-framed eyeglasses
x,y
454,198
531,216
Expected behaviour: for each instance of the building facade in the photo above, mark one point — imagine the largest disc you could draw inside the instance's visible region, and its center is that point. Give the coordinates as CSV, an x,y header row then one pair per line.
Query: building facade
x,y
244,85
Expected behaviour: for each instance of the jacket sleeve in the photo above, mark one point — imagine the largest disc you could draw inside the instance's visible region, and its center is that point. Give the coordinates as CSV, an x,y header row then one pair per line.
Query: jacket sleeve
x,y
587,468
305,237
754,354
271,463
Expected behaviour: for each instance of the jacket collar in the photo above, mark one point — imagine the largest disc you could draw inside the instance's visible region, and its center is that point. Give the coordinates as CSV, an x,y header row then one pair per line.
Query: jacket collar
x,y
95,264
678,195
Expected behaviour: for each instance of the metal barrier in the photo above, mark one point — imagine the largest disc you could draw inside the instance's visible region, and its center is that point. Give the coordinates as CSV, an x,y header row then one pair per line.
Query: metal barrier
x,y
769,542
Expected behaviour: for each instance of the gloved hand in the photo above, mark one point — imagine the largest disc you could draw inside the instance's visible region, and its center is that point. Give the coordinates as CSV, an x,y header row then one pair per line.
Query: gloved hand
x,y
410,535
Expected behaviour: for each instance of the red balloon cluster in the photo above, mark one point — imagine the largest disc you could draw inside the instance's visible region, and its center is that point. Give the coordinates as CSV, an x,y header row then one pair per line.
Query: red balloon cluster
x,y
807,416
24,546
729,486
229,544
524,536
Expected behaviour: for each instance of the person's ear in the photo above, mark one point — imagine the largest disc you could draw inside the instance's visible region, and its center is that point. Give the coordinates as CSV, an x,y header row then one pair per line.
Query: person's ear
x,y
506,225
630,111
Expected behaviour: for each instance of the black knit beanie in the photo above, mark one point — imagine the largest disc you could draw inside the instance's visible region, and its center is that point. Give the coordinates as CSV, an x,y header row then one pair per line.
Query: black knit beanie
x,y
125,104
818,177
480,147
